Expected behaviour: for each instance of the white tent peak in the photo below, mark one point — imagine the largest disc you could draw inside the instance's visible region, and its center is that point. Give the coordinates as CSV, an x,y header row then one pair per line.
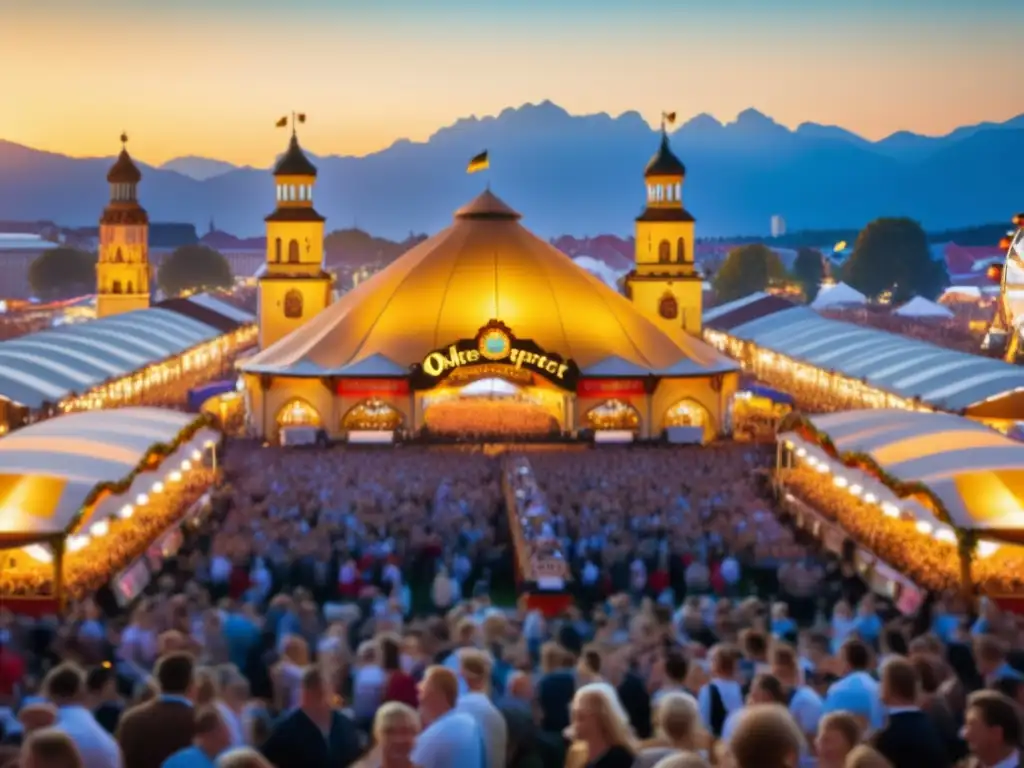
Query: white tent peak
x,y
838,295
921,307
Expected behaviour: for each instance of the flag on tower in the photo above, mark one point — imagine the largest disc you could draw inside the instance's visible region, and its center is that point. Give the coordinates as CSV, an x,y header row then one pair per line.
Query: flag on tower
x,y
479,162
669,117
302,117
282,122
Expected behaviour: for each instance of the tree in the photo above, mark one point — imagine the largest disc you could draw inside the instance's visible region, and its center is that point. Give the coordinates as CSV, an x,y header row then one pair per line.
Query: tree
x,y
193,268
893,255
62,273
746,270
809,270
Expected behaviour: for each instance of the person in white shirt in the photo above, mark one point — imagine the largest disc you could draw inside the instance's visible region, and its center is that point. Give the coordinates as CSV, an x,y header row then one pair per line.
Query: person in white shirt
x,y
731,572
475,668
638,576
368,684
64,687
451,738
805,705
722,695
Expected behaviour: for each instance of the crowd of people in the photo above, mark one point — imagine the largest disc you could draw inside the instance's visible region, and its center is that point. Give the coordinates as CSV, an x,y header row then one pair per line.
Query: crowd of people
x,y
123,540
927,561
350,606
502,417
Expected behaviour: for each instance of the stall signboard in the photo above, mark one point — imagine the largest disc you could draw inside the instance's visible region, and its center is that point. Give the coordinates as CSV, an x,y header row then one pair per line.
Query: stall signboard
x,y
364,388
494,344
605,388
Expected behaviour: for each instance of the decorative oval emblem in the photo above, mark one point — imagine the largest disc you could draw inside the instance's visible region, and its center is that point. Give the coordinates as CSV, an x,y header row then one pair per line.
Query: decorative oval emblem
x,y
669,307
495,344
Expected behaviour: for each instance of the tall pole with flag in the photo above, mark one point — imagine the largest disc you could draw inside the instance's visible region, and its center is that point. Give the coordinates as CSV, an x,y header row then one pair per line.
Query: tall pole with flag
x,y
297,118
480,162
667,119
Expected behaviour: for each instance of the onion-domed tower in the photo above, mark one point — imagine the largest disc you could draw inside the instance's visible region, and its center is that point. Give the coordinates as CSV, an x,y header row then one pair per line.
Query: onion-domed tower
x,y
123,270
664,283
294,286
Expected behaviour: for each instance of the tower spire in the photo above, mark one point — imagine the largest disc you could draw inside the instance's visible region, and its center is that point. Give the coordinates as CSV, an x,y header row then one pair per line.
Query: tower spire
x,y
124,140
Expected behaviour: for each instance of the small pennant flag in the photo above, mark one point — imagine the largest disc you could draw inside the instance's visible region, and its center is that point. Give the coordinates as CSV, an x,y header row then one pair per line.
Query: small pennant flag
x,y
302,117
480,162
282,122
670,117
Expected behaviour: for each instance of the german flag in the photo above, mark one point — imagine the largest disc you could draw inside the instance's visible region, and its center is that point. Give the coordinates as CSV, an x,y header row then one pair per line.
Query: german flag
x,y
479,162
283,122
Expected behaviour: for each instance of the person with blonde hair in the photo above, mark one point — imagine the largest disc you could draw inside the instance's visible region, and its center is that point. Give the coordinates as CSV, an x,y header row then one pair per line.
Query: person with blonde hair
x,y
50,748
683,760
864,756
766,736
678,728
600,730
838,734
395,729
475,670
243,757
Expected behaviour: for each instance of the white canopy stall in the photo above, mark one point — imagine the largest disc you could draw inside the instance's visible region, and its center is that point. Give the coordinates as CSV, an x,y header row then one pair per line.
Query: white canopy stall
x,y
67,479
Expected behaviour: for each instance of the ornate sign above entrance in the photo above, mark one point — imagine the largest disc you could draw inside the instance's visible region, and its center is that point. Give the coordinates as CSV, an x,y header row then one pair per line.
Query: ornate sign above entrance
x,y
494,347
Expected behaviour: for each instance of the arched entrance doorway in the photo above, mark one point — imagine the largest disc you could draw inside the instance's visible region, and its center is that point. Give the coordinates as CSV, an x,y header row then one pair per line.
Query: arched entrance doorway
x,y
372,414
691,416
298,413
492,408
612,414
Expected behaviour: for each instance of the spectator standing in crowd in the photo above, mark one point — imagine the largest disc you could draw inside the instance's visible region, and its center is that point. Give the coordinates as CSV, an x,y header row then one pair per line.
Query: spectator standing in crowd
x,y
450,737
993,730
106,705
315,735
475,669
212,738
50,748
909,738
65,688
151,732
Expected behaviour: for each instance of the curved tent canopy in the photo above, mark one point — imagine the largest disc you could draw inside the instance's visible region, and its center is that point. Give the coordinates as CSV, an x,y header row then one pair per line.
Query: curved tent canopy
x,y
976,472
484,266
942,378
50,365
48,470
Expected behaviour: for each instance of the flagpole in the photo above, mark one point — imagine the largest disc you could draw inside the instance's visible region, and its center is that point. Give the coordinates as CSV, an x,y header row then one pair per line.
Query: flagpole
x,y
294,131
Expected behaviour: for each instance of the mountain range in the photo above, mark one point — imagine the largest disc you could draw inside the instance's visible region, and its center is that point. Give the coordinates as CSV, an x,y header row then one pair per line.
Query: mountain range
x,y
577,174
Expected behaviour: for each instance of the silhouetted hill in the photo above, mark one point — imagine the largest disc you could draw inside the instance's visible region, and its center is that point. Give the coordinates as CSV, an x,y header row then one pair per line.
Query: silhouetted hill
x,y
199,168
580,175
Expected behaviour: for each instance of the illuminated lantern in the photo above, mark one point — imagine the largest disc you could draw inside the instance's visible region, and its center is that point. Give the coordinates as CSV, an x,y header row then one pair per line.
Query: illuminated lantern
x,y
1004,244
995,273
1018,220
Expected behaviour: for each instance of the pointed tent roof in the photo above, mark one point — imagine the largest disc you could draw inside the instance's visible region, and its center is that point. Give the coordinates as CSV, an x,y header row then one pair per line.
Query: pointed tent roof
x,y
294,162
921,307
664,162
837,296
485,265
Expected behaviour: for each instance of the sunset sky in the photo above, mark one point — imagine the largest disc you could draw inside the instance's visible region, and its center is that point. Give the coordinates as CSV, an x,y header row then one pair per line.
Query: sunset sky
x,y
209,77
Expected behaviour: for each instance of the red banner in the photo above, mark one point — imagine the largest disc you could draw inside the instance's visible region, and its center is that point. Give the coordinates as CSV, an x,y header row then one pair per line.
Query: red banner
x,y
373,387
609,387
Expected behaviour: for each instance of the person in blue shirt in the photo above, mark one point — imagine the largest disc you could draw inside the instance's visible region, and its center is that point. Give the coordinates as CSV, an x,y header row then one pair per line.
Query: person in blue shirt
x,y
867,624
211,739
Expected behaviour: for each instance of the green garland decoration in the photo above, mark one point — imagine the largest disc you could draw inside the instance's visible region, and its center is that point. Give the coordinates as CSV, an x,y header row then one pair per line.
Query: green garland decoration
x,y
802,425
157,450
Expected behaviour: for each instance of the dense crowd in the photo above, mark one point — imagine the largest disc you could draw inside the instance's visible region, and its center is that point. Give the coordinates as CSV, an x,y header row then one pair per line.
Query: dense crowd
x,y
508,417
341,607
121,542
927,561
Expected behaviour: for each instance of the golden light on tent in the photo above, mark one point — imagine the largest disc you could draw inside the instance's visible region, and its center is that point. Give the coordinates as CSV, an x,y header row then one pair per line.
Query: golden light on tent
x,y
1004,243
1018,220
995,272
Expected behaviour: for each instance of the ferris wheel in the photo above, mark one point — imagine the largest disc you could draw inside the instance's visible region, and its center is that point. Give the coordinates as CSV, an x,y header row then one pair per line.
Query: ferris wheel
x,y
1004,334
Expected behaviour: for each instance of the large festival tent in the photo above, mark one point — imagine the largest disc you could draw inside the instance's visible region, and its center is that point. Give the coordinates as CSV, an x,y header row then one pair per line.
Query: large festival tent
x,y
65,479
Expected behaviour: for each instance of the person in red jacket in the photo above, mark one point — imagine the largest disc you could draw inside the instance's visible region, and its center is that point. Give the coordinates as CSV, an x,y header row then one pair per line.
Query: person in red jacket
x,y
399,685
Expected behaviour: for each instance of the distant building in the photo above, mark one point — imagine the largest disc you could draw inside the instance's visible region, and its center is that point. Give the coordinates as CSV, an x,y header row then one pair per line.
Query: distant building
x,y
778,226
17,252
123,270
